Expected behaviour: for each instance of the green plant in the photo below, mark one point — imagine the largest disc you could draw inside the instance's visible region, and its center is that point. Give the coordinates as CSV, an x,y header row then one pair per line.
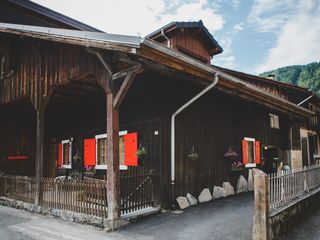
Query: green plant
x,y
141,152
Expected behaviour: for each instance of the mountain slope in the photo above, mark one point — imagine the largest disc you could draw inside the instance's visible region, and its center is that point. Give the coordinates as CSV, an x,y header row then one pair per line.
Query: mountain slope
x,y
302,75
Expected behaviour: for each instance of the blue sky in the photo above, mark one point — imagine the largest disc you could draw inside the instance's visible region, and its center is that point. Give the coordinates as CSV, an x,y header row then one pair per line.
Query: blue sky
x,y
256,35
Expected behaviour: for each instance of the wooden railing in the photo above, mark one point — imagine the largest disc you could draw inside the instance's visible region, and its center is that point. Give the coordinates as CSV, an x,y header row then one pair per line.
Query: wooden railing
x,y
18,187
285,186
87,196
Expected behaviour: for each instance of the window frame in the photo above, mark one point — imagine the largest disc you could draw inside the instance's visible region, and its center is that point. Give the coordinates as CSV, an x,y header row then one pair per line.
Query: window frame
x,y
104,166
254,164
69,166
276,121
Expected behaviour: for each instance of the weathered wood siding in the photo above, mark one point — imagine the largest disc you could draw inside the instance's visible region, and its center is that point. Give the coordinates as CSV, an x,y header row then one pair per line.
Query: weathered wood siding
x,y
17,138
32,67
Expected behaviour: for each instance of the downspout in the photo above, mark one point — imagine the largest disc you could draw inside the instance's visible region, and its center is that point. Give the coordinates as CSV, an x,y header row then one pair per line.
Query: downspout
x,y
308,98
168,40
183,107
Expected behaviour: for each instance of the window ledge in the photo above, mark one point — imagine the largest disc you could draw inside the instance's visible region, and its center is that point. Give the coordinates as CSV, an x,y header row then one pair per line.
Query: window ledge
x,y
104,167
251,165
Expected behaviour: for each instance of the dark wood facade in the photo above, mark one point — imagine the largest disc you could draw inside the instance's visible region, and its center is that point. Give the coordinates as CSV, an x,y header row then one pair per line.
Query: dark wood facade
x,y
69,85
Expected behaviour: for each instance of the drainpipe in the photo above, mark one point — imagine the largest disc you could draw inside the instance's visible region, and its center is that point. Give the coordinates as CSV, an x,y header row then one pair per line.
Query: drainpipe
x,y
168,40
302,102
195,98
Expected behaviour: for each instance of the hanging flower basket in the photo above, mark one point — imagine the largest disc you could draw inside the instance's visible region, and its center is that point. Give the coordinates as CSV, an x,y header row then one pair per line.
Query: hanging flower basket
x,y
142,153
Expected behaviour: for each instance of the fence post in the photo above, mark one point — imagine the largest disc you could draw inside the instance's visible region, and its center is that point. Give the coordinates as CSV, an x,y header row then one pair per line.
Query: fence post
x,y
305,179
261,207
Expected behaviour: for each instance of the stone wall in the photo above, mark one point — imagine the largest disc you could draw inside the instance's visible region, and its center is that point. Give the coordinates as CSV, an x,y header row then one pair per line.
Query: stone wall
x,y
284,219
64,215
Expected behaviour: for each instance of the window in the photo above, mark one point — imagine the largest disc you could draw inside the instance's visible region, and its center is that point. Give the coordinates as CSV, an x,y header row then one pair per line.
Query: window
x,y
274,121
250,152
66,154
101,151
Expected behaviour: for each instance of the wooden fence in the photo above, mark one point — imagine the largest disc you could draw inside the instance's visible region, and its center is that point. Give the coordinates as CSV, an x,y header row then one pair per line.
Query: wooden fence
x,y
18,187
87,196
137,189
286,186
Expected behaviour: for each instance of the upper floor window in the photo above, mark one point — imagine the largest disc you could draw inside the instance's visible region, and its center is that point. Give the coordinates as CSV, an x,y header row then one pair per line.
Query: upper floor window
x,y
274,121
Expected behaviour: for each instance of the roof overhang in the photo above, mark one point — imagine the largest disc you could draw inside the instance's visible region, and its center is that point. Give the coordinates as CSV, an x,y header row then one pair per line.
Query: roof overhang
x,y
226,81
160,54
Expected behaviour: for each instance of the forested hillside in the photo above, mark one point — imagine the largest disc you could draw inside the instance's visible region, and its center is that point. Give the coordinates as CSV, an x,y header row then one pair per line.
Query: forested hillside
x,y
302,75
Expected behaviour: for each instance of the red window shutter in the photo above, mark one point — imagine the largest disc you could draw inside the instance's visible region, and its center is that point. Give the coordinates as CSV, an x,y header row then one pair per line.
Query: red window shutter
x,y
245,152
258,157
90,152
130,149
60,155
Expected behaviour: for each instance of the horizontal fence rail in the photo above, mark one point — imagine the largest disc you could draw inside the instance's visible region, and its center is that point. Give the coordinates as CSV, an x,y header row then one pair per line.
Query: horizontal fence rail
x,y
285,186
88,196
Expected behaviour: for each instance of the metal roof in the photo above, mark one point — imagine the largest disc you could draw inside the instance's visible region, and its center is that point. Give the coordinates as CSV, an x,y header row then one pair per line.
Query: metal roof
x,y
188,25
57,34
53,15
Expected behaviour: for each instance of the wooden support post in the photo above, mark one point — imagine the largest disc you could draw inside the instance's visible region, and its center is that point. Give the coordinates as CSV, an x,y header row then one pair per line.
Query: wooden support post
x,y
113,171
261,207
39,152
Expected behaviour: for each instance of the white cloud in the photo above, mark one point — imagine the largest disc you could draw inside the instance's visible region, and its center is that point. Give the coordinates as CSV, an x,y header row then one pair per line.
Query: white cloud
x,y
298,39
238,27
140,16
226,58
269,15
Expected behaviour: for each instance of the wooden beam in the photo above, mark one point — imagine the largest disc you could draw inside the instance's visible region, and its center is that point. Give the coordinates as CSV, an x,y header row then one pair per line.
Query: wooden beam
x,y
125,72
125,87
113,171
39,152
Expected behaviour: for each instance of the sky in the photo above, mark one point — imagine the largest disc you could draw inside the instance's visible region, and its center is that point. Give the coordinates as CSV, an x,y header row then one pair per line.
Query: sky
x,y
256,35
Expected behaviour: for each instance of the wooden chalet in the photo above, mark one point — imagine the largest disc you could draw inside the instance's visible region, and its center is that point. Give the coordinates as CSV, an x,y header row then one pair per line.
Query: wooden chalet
x,y
73,97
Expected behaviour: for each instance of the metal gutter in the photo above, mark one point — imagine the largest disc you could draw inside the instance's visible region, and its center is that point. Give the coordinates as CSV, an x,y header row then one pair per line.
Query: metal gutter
x,y
227,78
183,107
84,38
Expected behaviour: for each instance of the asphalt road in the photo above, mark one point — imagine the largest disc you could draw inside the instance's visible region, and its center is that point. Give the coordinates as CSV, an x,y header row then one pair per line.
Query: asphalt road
x,y
225,219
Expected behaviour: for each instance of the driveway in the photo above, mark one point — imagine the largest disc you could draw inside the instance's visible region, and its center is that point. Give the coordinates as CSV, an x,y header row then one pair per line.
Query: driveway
x,y
229,218
225,219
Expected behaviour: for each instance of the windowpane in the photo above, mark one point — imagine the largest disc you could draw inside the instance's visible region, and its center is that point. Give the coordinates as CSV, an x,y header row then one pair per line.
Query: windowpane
x,y
250,151
102,151
66,153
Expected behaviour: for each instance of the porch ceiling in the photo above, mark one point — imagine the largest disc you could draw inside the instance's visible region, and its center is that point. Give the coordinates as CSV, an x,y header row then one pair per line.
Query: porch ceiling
x,y
72,91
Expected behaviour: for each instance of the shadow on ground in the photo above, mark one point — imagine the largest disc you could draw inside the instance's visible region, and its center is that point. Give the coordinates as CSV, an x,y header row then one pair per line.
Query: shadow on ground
x,y
229,218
